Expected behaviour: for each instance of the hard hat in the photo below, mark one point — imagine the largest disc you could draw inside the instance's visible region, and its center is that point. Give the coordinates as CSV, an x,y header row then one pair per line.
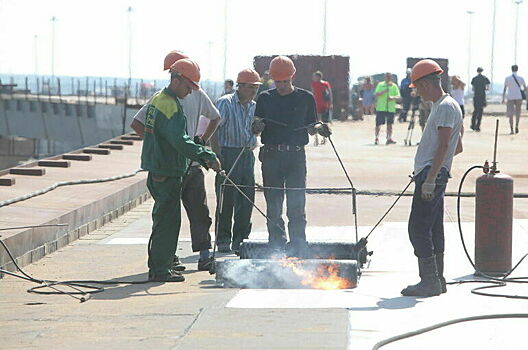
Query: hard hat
x,y
248,76
424,68
189,70
281,68
172,57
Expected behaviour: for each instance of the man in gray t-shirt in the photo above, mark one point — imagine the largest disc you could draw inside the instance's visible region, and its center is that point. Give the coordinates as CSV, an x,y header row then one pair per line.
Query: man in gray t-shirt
x,y
440,142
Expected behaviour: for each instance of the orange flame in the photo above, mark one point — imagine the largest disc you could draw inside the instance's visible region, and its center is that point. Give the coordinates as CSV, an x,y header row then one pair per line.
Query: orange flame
x,y
324,277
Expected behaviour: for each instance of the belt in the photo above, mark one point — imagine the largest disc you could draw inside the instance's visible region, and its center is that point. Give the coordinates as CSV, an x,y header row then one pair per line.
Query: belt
x,y
283,148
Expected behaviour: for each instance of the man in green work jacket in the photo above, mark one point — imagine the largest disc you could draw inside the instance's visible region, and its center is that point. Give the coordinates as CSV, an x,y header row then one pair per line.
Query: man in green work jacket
x,y
165,154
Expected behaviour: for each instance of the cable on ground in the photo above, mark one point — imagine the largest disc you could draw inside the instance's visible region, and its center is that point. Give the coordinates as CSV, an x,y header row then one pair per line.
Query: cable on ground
x,y
384,342
66,183
81,287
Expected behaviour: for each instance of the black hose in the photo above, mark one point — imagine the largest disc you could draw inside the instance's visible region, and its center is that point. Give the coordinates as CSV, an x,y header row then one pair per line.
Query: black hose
x,y
384,342
496,282
81,287
66,183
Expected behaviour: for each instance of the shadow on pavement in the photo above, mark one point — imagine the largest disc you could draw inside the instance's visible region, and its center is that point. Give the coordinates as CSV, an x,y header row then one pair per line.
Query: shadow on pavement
x,y
123,291
397,303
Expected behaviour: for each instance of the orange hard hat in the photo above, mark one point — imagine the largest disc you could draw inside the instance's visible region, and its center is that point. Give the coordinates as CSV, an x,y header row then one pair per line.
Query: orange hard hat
x,y
172,57
423,68
189,70
281,68
248,76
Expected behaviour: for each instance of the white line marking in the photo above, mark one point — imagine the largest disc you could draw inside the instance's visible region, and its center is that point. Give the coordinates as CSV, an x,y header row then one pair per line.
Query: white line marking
x,y
294,299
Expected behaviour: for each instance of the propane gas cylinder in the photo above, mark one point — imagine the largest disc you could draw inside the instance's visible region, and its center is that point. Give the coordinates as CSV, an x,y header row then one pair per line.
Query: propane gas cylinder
x,y
493,223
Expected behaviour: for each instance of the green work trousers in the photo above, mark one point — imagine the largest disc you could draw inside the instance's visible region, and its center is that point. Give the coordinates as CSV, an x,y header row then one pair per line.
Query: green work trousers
x,y
236,210
166,220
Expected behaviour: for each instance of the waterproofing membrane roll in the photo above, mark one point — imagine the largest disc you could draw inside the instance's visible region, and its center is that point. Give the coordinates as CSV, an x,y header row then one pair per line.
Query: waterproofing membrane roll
x,y
287,273
251,249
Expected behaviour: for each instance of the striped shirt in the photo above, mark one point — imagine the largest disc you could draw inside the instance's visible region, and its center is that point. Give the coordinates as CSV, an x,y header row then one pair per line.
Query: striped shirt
x,y
235,126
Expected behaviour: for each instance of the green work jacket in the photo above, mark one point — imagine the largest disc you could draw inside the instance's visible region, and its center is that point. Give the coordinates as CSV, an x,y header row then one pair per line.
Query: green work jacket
x,y
166,146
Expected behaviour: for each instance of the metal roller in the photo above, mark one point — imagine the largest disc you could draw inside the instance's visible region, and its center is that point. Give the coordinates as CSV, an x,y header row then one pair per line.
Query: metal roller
x,y
251,249
287,273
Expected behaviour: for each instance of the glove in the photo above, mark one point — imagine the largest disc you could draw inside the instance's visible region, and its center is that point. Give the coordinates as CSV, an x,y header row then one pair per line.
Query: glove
x,y
214,164
199,141
257,126
428,190
323,130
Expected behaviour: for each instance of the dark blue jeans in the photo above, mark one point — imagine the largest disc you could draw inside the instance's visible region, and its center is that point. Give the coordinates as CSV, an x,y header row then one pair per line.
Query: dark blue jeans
x,y
285,170
426,222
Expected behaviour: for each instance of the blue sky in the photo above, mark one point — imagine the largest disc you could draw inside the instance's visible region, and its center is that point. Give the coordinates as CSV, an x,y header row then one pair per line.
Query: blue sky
x,y
92,36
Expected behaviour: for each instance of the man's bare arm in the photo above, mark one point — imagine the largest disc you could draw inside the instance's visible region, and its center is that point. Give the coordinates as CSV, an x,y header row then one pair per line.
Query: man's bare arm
x,y
211,128
138,127
459,148
444,134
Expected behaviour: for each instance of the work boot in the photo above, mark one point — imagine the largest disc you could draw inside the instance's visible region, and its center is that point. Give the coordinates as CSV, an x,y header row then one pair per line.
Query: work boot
x,y
440,267
205,264
429,284
224,248
176,264
170,276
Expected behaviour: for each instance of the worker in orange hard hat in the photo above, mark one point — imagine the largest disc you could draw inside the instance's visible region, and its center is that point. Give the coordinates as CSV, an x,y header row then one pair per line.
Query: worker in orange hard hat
x,y
440,142
166,148
199,110
172,57
236,141
284,117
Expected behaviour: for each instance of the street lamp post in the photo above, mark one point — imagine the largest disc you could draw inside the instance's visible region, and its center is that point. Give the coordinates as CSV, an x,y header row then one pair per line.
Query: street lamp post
x,y
493,44
53,20
129,11
226,5
35,53
517,2
324,26
470,13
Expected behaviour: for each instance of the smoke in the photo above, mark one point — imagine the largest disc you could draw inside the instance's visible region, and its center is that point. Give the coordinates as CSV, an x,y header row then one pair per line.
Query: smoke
x,y
286,273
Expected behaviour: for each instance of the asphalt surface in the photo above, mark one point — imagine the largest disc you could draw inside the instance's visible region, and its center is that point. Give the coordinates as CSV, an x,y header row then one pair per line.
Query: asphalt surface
x,y
197,314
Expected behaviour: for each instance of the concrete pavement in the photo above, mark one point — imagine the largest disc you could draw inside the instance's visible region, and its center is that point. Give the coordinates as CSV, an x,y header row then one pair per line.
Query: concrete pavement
x,y
197,315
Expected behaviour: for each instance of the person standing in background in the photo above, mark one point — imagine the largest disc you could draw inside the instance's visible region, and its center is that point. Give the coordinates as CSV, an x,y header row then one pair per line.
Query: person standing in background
x,y
387,93
322,92
457,92
367,95
405,91
228,87
480,84
516,88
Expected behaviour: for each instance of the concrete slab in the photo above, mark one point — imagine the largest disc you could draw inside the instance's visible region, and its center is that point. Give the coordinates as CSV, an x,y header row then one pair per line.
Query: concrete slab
x,y
195,314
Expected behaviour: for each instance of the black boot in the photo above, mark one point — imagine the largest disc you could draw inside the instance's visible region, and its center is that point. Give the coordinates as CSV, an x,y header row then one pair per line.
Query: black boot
x,y
440,267
429,284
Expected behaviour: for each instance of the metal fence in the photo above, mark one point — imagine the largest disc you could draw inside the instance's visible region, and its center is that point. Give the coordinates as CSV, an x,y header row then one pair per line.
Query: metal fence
x,y
90,89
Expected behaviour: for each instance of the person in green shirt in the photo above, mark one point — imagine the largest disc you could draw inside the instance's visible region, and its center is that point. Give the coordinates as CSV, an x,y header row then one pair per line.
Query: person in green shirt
x,y
387,93
165,155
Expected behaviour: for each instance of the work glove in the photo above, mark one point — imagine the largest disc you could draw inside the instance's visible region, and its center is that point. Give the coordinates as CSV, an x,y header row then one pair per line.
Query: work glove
x,y
323,130
257,126
214,164
199,141
428,190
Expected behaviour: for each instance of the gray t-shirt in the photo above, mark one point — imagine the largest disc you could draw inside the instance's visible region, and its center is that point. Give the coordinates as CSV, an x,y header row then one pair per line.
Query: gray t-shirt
x,y
444,113
195,105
